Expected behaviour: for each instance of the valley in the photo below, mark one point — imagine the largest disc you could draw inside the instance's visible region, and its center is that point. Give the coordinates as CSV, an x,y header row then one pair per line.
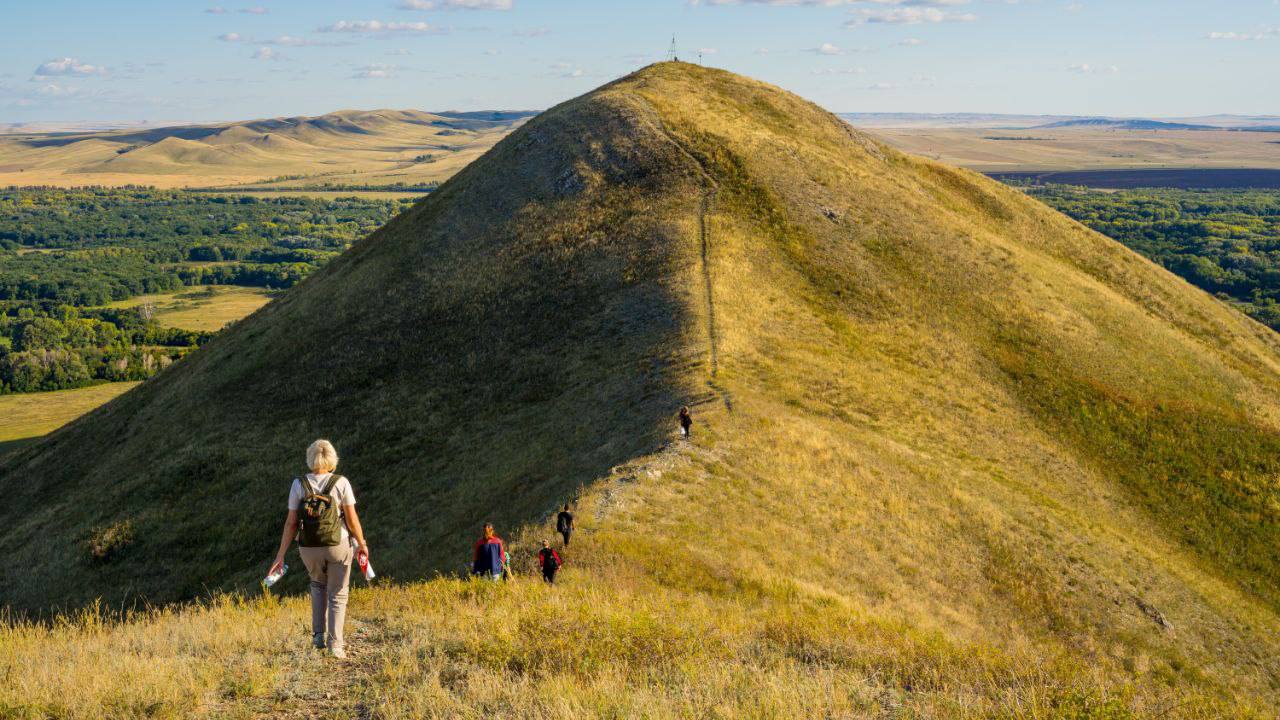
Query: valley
x,y
340,150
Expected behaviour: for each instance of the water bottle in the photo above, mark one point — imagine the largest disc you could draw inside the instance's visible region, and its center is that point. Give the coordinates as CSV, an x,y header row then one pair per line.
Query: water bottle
x,y
274,577
367,568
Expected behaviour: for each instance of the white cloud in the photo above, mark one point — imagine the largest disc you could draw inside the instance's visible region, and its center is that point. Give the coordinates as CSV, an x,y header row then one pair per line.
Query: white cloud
x,y
456,5
374,71
266,53
69,66
293,41
231,37
908,15
883,86
828,49
1088,69
762,51
567,70
910,42
400,51
532,32
838,71
374,27
707,51
217,11
259,10
1264,35
55,90
1074,7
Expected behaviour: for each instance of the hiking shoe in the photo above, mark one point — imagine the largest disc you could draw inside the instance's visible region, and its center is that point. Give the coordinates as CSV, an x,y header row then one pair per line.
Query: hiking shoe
x,y
338,652
317,641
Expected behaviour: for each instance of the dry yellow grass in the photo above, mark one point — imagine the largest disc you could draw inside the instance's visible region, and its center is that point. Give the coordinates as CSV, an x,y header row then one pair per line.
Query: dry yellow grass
x,y
206,308
348,147
1082,149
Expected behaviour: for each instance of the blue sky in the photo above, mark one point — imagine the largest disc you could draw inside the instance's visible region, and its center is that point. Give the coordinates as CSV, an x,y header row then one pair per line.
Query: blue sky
x,y
90,60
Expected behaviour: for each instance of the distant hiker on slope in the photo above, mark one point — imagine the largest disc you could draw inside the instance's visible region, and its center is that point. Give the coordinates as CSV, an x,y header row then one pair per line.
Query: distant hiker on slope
x,y
550,562
564,524
686,422
490,555
322,514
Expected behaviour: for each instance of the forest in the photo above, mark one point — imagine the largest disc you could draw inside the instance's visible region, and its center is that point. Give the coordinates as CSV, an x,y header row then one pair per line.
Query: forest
x,y
66,253
1224,241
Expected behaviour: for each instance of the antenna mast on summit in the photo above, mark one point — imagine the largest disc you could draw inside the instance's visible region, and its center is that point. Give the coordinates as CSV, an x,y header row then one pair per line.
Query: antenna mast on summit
x,y
671,51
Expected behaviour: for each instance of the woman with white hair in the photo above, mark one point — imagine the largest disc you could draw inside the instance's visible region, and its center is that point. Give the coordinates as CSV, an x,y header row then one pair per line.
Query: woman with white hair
x,y
322,516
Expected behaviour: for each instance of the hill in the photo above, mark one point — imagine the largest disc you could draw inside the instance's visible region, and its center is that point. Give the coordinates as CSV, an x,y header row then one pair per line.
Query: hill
x,y
379,147
1125,124
954,454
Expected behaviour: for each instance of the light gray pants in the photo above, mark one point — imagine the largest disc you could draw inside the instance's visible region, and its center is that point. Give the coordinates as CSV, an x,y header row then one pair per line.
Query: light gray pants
x,y
330,571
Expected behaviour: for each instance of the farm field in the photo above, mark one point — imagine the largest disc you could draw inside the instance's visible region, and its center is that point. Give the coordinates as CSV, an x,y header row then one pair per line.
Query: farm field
x,y
209,308
1039,149
1184,178
25,416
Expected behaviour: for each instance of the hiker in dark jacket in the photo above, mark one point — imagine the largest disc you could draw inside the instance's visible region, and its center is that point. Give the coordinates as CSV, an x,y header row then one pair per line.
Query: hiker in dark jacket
x,y
550,562
686,421
489,554
564,524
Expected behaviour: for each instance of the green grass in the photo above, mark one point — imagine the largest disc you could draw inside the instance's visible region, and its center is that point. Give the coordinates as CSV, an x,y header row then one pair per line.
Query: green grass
x,y
207,308
30,415
957,457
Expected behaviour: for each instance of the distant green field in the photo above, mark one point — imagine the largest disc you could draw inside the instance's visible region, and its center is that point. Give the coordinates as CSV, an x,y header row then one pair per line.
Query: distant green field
x,y
25,416
208,308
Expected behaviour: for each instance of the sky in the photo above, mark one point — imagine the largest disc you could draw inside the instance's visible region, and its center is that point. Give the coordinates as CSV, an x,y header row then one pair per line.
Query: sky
x,y
182,61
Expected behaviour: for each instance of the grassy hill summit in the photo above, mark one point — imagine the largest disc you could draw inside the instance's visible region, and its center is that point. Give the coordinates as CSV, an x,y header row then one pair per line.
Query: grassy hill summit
x,y
954,454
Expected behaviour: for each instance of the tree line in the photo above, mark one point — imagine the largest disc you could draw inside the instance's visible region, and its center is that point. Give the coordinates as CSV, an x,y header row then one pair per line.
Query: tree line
x,y
1224,241
66,252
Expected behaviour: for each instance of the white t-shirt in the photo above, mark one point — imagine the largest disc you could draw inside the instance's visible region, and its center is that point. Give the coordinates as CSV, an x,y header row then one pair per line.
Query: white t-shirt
x,y
341,492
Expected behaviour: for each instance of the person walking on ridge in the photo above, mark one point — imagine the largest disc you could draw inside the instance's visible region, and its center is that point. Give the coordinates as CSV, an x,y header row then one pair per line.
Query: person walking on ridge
x,y
564,524
322,516
550,562
489,556
686,422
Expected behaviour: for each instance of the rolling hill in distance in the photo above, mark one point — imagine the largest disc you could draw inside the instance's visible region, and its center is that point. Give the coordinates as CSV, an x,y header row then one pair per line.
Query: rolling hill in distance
x,y
954,453
350,147
380,148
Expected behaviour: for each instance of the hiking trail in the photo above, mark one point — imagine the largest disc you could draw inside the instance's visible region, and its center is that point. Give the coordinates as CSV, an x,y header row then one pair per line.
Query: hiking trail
x,y
713,335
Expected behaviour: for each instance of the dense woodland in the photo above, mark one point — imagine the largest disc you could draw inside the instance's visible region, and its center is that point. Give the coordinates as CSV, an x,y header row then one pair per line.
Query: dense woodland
x,y
64,253
1224,241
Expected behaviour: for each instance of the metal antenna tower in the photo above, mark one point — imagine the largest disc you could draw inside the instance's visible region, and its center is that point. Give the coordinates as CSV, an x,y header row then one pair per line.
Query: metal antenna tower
x,y
671,51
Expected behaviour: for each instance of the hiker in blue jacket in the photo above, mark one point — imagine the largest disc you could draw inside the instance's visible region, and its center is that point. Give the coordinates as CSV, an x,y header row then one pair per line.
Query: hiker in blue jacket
x,y
489,555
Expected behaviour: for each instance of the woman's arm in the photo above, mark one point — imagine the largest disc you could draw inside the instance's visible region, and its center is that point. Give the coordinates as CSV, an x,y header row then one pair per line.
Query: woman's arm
x,y
286,538
353,524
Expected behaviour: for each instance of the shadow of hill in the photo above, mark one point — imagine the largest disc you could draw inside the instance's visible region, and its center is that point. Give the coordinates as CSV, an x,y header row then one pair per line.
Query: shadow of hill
x,y
506,341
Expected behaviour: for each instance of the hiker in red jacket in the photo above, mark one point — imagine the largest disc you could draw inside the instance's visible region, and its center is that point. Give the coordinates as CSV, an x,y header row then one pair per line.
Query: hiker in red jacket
x,y
550,562
489,555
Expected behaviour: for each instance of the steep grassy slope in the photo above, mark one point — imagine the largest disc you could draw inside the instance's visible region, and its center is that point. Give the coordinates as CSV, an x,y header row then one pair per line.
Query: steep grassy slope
x,y
956,454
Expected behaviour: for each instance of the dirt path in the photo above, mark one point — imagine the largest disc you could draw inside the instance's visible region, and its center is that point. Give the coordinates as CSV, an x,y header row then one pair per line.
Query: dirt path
x,y
713,334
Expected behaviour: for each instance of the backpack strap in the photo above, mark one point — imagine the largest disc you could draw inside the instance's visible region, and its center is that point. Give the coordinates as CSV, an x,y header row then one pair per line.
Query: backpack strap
x,y
328,489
